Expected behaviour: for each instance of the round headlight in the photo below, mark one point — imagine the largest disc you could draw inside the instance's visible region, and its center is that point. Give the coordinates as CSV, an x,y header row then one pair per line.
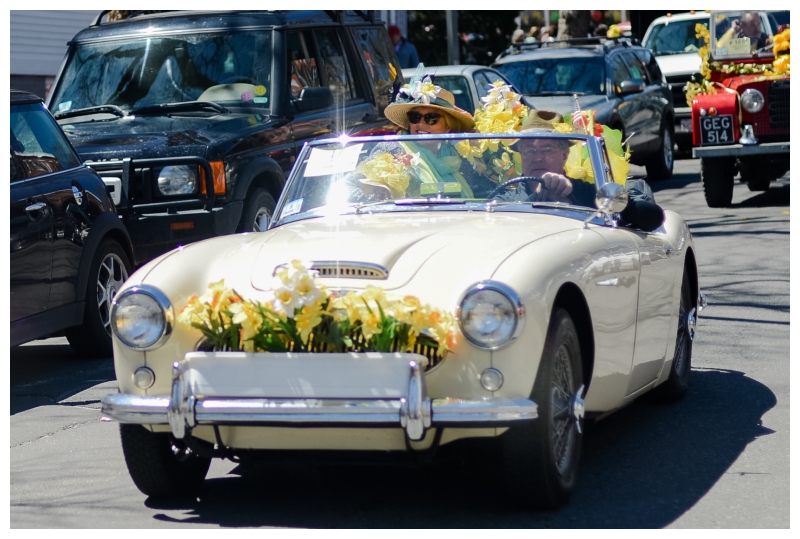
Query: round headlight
x,y
177,180
141,317
490,315
752,100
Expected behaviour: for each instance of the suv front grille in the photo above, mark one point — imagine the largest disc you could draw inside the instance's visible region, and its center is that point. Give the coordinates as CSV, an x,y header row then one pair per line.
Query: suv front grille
x,y
778,99
678,95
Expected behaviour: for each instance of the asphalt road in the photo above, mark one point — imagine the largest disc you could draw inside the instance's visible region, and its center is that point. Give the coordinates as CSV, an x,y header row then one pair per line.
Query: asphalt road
x,y
717,459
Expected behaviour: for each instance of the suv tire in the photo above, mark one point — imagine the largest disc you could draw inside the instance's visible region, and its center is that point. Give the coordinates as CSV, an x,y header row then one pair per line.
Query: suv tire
x,y
258,209
659,167
717,174
109,269
757,177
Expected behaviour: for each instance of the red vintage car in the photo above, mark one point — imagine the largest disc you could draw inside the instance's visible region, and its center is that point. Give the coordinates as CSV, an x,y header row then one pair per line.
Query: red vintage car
x,y
744,126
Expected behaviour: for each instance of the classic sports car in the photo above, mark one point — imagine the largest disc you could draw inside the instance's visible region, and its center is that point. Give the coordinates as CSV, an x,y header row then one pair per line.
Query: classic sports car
x,y
399,303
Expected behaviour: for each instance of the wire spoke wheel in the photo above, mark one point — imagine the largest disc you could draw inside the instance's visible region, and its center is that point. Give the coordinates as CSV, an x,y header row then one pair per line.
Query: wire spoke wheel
x,y
562,421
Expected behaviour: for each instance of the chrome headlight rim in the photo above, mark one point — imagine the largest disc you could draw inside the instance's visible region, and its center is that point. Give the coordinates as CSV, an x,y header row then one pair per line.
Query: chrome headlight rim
x,y
192,180
511,296
752,100
161,300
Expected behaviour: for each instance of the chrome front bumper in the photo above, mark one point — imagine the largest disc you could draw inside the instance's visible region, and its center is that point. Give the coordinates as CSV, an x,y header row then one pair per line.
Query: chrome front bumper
x,y
392,395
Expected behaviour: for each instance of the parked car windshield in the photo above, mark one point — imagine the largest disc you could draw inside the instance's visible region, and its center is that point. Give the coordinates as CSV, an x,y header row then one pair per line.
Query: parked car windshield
x,y
557,76
675,37
741,34
348,175
231,68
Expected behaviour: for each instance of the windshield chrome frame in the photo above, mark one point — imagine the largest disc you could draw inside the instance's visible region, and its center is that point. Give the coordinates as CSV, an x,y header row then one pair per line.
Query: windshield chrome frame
x,y
596,146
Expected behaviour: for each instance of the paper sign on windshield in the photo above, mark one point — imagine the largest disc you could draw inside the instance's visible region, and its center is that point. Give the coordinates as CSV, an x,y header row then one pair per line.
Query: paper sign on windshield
x,y
739,45
324,162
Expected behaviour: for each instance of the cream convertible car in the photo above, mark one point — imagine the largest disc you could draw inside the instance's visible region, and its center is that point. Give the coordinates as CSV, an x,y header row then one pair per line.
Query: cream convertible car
x,y
405,305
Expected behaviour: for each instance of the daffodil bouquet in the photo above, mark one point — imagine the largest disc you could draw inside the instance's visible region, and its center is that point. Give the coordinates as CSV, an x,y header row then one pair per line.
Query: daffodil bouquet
x,y
391,171
301,315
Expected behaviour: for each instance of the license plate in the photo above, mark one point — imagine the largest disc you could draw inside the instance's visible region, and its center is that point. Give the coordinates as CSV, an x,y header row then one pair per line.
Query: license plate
x,y
716,130
686,125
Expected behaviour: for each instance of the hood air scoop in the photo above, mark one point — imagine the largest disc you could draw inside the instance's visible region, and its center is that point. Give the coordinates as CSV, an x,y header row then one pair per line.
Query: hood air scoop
x,y
345,270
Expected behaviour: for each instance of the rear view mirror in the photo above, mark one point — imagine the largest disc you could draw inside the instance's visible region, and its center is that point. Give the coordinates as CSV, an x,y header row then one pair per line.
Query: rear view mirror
x,y
314,98
631,86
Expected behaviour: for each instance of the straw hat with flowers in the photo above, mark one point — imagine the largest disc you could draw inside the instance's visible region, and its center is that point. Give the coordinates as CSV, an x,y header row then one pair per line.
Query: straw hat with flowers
x,y
422,92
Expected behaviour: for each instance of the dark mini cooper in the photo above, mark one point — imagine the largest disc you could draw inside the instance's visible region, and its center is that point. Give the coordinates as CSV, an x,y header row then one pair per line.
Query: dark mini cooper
x,y
70,252
196,117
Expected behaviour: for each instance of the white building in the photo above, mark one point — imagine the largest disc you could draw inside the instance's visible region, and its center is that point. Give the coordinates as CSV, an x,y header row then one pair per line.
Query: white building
x,y
39,43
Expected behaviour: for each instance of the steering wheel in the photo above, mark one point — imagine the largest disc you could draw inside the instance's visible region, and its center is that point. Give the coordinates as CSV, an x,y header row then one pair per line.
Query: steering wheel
x,y
237,78
497,190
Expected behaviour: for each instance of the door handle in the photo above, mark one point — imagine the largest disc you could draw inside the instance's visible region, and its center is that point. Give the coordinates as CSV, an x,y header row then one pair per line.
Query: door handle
x,y
35,207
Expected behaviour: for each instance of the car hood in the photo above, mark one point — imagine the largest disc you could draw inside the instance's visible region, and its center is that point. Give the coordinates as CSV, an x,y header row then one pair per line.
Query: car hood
x,y
679,64
565,104
160,136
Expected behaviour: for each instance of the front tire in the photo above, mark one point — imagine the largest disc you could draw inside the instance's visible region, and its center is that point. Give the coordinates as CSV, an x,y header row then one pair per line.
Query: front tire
x,y
109,269
541,457
258,209
717,175
160,467
660,166
677,384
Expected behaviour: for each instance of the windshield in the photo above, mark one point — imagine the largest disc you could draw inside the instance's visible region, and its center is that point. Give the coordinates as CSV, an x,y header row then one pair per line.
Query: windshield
x,y
675,37
555,76
347,176
231,68
741,34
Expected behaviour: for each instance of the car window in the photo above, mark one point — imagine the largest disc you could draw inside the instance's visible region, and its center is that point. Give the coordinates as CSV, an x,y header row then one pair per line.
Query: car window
x,y
459,87
378,53
635,67
338,74
651,66
557,76
619,72
481,83
37,144
675,37
301,64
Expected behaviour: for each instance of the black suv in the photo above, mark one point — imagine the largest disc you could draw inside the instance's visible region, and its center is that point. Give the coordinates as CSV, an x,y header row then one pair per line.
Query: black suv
x,y
615,77
70,252
196,117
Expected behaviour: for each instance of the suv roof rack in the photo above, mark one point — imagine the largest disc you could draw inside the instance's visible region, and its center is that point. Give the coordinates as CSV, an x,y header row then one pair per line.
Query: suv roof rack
x,y
575,42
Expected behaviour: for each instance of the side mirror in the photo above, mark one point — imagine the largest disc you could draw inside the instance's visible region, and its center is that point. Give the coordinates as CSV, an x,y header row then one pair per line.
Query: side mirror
x,y
697,77
611,198
314,99
631,86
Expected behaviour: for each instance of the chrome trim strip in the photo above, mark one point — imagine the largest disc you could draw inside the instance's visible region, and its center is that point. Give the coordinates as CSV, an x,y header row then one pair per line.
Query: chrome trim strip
x,y
166,308
344,269
127,408
511,295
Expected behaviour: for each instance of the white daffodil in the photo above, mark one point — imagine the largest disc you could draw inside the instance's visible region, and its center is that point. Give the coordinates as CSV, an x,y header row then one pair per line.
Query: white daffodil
x,y
284,300
424,91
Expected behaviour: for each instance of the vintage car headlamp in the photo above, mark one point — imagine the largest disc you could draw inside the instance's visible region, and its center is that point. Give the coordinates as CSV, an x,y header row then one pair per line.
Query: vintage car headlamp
x,y
177,180
490,315
142,317
752,100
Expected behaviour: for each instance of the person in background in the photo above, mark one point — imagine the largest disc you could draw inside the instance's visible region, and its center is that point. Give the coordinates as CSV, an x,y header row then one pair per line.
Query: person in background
x,y
406,51
533,35
601,30
518,36
550,33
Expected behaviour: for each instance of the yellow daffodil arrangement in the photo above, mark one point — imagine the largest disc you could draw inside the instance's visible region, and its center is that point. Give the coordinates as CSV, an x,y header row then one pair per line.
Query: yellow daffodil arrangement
x,y
301,315
391,171
779,67
502,111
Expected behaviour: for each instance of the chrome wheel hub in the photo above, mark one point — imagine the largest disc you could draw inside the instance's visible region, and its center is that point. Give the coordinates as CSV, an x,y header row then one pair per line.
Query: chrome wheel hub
x,y
261,222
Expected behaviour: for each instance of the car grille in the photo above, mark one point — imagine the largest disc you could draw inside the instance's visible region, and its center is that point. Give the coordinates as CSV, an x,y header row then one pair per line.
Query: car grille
x,y
678,95
778,96
345,269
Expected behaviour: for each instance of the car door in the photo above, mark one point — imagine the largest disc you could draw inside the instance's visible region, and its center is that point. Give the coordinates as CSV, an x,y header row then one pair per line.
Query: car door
x,y
629,106
652,100
380,63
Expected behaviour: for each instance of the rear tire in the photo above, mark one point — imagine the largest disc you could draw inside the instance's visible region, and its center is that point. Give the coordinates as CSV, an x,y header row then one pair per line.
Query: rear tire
x,y
159,467
659,167
257,212
541,457
109,269
677,384
757,178
717,174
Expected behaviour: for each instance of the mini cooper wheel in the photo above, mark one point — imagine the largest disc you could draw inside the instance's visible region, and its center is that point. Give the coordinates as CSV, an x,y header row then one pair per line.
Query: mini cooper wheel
x,y
541,457
160,466
109,269
258,208
677,384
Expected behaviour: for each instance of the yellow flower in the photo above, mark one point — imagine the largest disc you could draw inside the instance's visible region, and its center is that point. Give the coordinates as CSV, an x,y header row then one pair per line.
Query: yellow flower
x,y
613,31
563,128
246,314
309,318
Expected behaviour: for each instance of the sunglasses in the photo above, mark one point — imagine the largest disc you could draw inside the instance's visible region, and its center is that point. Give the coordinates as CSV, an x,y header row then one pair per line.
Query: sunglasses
x,y
431,118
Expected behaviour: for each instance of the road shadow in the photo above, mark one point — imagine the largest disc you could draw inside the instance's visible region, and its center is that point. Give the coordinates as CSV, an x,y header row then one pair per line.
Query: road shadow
x,y
43,373
775,196
678,181
642,467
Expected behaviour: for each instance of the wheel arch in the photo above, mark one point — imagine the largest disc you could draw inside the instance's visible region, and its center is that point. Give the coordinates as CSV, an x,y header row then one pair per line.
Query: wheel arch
x,y
106,226
571,299
691,267
264,172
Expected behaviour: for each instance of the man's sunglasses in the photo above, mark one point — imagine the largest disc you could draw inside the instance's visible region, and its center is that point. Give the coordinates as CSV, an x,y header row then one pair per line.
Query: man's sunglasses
x,y
431,118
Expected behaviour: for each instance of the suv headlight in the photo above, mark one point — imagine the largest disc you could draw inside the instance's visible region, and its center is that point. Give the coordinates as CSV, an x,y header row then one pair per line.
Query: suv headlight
x,y
752,100
491,315
177,180
142,317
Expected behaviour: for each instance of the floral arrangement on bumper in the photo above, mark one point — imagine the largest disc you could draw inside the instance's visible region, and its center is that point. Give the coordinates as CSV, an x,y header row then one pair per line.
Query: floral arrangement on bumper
x,y
779,67
301,315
